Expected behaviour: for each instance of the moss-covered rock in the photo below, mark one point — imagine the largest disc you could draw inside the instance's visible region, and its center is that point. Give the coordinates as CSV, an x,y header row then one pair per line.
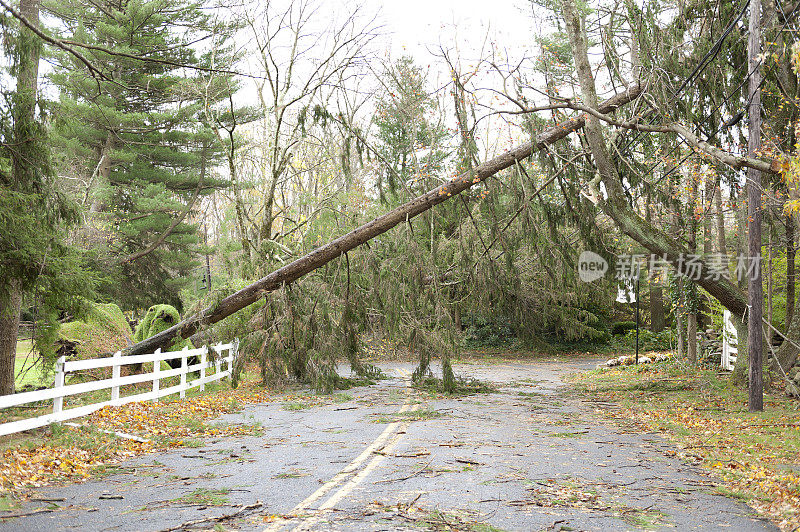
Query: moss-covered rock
x,y
157,319
103,330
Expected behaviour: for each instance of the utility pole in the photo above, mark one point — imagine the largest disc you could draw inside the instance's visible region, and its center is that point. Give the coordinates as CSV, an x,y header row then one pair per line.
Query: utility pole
x,y
755,295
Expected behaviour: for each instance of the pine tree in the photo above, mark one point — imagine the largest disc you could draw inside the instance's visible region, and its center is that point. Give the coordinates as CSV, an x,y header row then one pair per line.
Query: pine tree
x,y
35,262
409,138
136,138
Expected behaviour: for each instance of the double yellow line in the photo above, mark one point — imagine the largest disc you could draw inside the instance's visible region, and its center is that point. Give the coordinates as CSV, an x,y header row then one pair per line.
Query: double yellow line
x,y
353,471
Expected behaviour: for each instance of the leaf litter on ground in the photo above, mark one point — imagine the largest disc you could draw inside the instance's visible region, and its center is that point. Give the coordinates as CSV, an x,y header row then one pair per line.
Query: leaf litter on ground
x,y
69,453
753,456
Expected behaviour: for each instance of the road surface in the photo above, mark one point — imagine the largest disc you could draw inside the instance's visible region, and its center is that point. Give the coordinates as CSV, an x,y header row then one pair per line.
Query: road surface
x,y
387,457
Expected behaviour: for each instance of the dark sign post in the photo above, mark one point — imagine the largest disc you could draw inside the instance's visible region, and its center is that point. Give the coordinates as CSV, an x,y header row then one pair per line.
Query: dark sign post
x,y
637,319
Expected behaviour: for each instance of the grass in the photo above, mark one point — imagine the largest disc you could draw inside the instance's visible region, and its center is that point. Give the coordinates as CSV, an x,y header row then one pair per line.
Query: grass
x,y
341,397
462,386
422,414
643,519
27,372
296,405
205,496
752,455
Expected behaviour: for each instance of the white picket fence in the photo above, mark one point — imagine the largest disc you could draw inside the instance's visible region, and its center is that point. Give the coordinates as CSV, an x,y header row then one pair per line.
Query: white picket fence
x,y
63,367
730,342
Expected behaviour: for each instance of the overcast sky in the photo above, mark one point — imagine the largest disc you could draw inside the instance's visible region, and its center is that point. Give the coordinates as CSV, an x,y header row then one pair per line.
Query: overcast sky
x,y
415,24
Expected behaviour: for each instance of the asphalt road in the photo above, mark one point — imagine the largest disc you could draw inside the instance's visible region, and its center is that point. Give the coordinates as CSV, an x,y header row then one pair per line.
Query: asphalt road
x,y
390,458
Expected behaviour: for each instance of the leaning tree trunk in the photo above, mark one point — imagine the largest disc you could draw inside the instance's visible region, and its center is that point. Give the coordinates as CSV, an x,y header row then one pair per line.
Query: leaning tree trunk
x,y
616,205
326,253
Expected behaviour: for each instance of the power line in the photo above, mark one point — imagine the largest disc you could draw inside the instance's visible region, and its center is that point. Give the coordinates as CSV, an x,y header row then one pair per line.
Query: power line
x,y
750,73
705,61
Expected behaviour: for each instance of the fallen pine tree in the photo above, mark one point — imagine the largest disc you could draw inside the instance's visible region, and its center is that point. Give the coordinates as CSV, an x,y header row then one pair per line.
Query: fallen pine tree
x,y
326,253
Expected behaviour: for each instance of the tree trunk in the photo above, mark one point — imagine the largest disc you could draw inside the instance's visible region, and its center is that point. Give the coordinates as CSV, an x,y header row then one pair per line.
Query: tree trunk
x,y
791,250
755,294
23,167
10,305
326,253
693,299
656,293
769,283
721,247
103,173
656,308
616,205
708,197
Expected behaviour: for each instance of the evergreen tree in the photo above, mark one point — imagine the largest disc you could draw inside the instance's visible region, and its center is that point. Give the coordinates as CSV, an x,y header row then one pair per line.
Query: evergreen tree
x,y
410,140
135,137
35,263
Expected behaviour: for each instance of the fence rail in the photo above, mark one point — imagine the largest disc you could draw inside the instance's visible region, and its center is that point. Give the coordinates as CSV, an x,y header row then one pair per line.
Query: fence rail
x,y
61,390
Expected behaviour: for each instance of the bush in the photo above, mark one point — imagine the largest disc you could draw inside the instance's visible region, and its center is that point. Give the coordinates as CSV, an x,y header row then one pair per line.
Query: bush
x,y
104,329
650,341
619,328
159,318
481,331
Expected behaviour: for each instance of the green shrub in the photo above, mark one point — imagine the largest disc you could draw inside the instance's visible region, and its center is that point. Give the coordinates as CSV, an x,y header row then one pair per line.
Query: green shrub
x,y
481,331
619,328
104,329
157,319
650,341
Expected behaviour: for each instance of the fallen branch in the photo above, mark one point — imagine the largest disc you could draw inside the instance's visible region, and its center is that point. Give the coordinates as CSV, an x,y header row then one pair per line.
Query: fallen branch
x,y
414,474
27,514
123,435
217,519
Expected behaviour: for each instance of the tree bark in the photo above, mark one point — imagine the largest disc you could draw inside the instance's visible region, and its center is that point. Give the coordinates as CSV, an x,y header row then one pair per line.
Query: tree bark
x,y
755,294
720,216
10,305
102,173
324,254
791,251
656,293
694,304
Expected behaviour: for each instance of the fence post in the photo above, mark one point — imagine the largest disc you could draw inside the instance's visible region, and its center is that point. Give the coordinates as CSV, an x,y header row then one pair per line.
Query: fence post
x,y
203,360
183,371
115,374
217,359
156,376
232,354
58,402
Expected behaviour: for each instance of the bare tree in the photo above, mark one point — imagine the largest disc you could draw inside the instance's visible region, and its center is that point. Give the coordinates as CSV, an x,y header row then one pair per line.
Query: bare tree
x,y
302,56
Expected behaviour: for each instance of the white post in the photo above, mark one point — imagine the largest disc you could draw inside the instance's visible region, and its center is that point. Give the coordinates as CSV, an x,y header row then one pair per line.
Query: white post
x,y
156,377
58,402
203,359
232,355
115,374
183,371
217,360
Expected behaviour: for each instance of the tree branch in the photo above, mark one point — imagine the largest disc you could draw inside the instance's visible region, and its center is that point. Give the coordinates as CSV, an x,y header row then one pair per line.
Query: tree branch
x,y
160,240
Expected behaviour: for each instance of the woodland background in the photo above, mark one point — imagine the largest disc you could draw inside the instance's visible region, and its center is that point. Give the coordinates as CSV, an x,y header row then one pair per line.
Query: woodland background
x,y
168,152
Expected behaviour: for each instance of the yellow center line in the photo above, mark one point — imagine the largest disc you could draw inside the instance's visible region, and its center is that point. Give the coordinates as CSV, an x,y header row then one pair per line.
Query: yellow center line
x,y
347,471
